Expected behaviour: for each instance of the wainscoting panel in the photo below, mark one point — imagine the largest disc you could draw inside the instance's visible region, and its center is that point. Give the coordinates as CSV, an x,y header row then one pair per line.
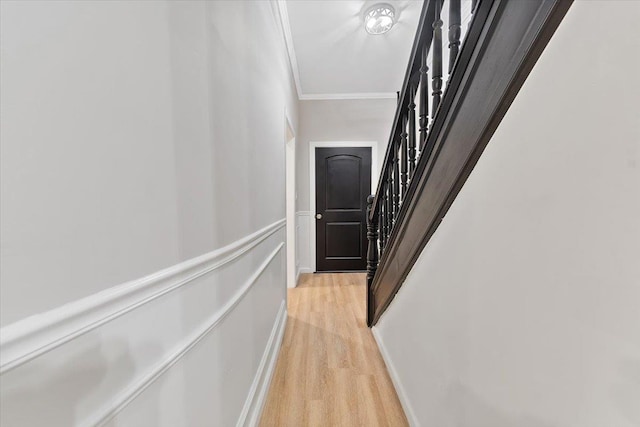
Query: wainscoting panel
x,y
189,345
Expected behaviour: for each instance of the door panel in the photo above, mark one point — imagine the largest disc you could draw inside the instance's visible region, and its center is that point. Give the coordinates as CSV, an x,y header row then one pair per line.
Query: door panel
x,y
343,182
342,169
343,240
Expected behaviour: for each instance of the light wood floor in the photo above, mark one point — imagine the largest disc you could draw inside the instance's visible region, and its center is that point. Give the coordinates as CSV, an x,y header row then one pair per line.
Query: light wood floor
x,y
329,371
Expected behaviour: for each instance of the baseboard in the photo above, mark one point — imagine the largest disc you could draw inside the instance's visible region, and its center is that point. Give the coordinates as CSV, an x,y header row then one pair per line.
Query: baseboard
x,y
252,410
303,270
404,401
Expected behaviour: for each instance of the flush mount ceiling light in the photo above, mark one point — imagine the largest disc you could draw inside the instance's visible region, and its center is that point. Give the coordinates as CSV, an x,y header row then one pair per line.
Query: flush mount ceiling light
x,y
379,18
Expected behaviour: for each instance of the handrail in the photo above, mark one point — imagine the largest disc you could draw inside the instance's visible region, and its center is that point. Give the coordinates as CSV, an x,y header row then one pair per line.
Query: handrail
x,y
425,168
401,156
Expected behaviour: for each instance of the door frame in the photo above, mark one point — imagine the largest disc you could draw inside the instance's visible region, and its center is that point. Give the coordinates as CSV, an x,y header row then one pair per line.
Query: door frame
x,y
290,199
312,182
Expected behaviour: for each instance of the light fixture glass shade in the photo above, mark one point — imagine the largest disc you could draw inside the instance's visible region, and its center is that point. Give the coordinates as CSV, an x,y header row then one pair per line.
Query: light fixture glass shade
x,y
379,19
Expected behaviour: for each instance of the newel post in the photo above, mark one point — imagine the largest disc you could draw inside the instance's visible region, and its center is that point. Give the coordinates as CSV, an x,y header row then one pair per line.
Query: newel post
x,y
372,258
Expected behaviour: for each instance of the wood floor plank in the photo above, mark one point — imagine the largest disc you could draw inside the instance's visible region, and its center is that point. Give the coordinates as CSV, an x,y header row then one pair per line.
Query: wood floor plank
x,y
330,371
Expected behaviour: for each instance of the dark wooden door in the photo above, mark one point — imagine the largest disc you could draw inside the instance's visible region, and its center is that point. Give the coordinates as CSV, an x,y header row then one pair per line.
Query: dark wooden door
x,y
343,182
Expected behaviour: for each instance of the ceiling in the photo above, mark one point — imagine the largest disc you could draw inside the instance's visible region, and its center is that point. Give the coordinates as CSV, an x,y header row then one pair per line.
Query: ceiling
x,y
332,55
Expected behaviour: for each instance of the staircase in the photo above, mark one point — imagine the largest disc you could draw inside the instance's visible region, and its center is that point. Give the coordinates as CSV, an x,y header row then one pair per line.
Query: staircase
x,y
443,123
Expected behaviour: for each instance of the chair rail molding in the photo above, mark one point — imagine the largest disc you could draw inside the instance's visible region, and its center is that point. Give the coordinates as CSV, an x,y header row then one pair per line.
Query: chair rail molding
x,y
339,96
34,336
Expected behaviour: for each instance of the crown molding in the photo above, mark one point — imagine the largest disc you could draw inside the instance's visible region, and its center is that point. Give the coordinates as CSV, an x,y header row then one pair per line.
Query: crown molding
x,y
334,96
288,41
283,15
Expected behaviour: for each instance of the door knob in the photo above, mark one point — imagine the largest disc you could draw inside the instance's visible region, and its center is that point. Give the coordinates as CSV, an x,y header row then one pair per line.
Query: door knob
x,y
318,216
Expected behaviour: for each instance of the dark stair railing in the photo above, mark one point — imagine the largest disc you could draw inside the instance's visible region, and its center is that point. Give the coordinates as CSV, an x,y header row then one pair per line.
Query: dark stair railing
x,y
433,148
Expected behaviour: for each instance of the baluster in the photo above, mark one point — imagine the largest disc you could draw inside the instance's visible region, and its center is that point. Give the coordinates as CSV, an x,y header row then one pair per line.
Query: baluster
x,y
424,98
390,198
372,257
381,222
404,158
382,218
390,202
455,29
396,182
388,211
474,5
436,80
412,131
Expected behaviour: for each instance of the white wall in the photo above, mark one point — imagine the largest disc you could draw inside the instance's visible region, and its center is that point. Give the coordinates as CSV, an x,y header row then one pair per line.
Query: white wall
x,y
88,171
303,240
335,120
523,309
292,220
340,120
133,139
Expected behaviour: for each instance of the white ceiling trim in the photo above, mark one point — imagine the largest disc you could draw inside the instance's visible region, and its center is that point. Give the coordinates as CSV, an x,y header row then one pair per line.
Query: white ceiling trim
x,y
293,63
328,96
288,40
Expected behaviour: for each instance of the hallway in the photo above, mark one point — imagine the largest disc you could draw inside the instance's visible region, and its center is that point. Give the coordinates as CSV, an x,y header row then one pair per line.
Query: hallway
x,y
329,370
